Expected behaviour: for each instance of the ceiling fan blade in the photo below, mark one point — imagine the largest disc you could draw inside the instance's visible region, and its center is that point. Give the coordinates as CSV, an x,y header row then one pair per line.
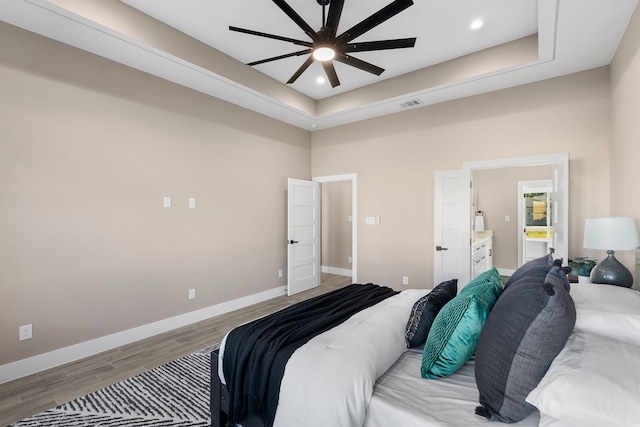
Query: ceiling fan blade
x,y
270,36
358,63
333,19
379,45
275,58
330,71
301,70
297,19
377,18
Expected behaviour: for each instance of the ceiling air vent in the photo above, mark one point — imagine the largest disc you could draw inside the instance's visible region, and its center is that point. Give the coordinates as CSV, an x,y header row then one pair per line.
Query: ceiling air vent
x,y
411,103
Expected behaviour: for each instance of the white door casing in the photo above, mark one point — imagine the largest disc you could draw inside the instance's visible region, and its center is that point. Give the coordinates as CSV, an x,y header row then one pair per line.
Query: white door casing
x,y
353,177
452,226
560,200
527,249
560,194
303,235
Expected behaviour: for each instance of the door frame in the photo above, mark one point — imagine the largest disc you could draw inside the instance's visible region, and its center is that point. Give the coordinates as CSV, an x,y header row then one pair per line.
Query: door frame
x,y
561,159
353,177
546,184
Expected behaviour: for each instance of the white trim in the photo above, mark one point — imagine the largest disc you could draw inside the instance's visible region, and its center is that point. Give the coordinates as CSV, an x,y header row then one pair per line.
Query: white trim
x,y
41,362
535,186
353,177
561,159
336,270
506,272
544,159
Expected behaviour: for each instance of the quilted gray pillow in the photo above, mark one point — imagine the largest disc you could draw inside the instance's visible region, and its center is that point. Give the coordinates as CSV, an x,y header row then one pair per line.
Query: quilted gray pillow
x,y
538,267
558,276
525,331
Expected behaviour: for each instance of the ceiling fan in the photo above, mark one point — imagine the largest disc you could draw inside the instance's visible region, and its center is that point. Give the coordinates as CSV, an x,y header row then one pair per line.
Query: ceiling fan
x,y
325,46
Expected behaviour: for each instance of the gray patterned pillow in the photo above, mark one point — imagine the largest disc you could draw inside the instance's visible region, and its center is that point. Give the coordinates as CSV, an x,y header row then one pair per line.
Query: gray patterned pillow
x,y
525,331
425,310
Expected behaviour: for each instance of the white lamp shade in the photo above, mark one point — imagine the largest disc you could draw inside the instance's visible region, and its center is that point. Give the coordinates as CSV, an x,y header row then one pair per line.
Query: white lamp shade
x,y
613,233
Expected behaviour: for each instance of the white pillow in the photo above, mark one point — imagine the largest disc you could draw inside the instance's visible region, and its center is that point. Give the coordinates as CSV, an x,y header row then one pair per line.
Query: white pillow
x,y
593,382
608,310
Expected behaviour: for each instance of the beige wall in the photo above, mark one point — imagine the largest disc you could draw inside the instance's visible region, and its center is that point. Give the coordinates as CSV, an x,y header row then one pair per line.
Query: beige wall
x,y
395,158
336,228
497,204
88,150
625,146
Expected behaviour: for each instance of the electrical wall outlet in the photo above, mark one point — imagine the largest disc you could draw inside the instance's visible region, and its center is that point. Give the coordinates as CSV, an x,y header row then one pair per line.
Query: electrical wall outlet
x,y
192,293
405,280
280,273
26,332
350,260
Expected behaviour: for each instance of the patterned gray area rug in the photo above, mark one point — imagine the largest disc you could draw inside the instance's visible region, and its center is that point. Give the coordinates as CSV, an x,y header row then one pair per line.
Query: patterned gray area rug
x,y
175,394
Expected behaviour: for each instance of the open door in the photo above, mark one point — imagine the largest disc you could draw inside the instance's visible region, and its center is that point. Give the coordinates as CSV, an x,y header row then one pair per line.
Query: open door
x,y
303,241
452,226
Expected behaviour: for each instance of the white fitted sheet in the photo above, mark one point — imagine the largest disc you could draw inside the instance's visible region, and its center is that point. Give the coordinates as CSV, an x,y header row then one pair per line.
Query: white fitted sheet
x,y
401,397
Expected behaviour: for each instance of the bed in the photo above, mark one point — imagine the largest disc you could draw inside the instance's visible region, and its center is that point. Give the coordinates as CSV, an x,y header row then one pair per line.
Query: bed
x,y
518,353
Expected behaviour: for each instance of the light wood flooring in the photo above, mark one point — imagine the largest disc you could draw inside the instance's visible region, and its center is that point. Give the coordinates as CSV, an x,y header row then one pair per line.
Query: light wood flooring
x,y
30,395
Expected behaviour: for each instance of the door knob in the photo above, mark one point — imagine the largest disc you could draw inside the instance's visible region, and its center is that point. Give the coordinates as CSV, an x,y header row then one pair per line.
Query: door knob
x,y
440,248
291,242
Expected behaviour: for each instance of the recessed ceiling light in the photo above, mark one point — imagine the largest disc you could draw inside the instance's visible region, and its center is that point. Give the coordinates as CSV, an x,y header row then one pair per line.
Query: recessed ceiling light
x,y
476,24
320,80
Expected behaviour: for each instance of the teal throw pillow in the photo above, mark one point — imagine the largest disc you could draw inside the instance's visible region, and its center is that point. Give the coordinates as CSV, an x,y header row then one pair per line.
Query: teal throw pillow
x,y
489,281
455,331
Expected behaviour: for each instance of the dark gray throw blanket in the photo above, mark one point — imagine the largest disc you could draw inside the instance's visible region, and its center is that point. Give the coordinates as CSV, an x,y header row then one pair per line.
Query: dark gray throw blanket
x,y
256,353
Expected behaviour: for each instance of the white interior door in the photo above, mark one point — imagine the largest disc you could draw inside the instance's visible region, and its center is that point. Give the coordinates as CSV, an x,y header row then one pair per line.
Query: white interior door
x,y
303,230
452,226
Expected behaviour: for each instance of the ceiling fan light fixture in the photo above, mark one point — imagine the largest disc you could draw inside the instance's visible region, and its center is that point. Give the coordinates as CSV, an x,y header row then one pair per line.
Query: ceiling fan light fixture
x,y
324,53
326,45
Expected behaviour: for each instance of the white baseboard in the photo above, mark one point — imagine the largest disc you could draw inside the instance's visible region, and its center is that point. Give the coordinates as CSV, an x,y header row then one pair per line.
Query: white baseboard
x,y
41,362
505,272
338,271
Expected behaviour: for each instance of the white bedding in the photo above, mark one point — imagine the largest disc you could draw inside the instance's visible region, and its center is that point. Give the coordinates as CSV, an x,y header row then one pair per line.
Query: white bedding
x,y
360,374
402,398
340,366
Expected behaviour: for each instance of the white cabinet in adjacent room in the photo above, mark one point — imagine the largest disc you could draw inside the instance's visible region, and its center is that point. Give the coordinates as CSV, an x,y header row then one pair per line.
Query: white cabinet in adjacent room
x,y
482,252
